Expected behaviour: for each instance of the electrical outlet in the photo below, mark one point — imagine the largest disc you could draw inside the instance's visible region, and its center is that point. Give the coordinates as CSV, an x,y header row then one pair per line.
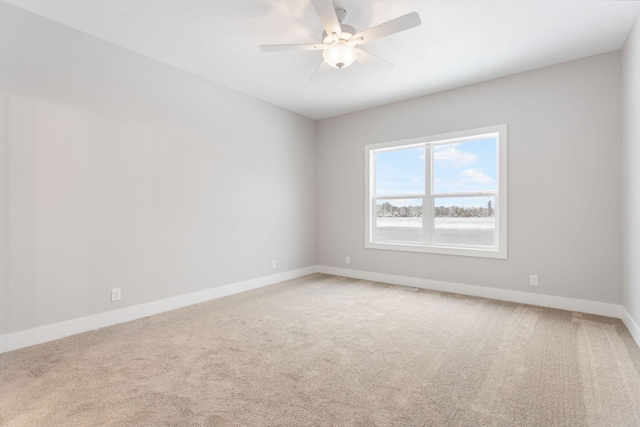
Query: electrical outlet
x,y
533,280
347,260
274,264
115,294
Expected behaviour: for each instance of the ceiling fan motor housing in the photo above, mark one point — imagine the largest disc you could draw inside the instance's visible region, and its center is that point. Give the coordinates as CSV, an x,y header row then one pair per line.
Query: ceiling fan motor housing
x,y
347,34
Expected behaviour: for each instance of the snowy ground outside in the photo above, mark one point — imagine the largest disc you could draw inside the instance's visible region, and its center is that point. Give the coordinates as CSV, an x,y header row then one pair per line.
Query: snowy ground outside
x,y
448,231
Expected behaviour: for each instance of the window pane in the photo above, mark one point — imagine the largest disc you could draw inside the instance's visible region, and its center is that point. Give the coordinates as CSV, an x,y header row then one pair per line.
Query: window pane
x,y
465,166
398,221
468,221
400,172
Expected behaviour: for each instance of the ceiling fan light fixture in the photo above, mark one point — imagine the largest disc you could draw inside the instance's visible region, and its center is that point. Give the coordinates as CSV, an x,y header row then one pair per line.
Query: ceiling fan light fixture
x,y
340,55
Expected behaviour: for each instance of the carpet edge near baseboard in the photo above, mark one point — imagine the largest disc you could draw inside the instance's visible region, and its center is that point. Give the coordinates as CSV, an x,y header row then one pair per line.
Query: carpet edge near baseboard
x,y
550,301
54,331
45,333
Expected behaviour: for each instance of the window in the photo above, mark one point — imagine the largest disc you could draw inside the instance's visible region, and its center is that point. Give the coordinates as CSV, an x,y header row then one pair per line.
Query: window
x,y
443,194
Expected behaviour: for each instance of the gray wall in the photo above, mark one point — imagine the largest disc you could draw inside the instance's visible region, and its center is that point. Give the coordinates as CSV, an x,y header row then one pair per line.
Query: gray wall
x,y
119,171
631,172
564,180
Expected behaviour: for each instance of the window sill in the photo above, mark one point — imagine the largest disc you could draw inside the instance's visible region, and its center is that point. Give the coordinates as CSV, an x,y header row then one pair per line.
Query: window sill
x,y
441,250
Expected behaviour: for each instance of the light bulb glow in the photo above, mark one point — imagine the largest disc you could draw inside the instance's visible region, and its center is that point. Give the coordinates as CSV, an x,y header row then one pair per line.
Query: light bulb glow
x,y
340,55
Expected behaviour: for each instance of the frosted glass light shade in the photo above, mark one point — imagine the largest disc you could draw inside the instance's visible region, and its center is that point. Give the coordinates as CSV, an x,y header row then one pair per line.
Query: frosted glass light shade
x,y
340,55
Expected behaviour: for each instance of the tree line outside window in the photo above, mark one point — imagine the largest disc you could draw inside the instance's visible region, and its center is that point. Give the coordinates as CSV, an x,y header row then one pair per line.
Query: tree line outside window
x,y
387,210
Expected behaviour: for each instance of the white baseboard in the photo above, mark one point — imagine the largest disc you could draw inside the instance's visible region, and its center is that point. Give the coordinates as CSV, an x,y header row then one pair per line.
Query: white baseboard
x,y
631,325
55,331
584,306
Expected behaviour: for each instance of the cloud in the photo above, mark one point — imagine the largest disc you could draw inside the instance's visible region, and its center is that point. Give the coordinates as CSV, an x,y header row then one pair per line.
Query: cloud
x,y
451,156
476,175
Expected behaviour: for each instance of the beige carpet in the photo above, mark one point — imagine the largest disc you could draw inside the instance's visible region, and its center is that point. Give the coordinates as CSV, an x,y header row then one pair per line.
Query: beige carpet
x,y
330,351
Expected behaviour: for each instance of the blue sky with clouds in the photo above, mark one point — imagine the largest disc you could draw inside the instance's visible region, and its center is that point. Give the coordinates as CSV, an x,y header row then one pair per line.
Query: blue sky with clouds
x,y
467,166
400,172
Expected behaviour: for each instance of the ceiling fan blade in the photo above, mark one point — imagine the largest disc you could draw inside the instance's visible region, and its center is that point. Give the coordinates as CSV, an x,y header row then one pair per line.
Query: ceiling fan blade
x,y
373,61
402,23
327,14
322,68
290,47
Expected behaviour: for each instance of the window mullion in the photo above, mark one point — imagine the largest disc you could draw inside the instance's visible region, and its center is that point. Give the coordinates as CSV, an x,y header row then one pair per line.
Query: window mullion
x,y
488,193
427,199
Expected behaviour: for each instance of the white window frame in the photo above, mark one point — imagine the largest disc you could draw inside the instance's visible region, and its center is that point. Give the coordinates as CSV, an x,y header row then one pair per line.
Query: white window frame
x,y
500,209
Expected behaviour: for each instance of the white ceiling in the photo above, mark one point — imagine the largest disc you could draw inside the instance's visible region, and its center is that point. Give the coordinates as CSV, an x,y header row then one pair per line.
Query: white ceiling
x,y
459,42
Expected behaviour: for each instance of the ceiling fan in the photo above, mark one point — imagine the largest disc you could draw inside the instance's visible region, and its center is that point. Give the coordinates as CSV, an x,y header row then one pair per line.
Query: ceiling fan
x,y
340,42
